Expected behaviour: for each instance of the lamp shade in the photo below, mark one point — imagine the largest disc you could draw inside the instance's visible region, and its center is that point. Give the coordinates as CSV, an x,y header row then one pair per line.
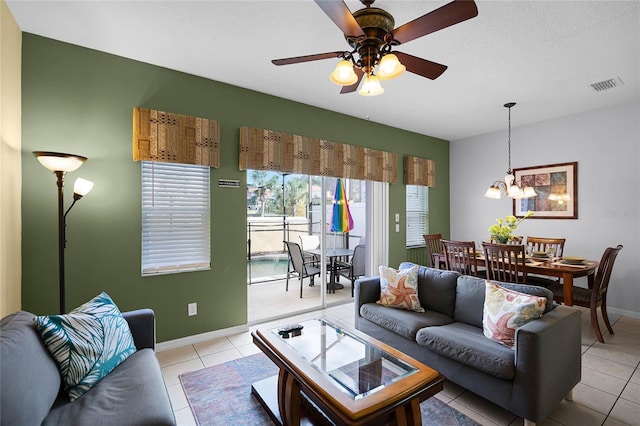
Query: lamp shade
x,y
343,74
493,192
390,67
82,187
60,162
371,86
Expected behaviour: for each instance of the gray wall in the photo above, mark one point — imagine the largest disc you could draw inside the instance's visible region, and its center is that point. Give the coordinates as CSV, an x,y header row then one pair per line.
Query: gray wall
x,y
605,143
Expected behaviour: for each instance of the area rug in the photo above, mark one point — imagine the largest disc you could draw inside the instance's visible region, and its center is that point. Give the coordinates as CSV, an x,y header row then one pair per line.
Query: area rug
x,y
221,395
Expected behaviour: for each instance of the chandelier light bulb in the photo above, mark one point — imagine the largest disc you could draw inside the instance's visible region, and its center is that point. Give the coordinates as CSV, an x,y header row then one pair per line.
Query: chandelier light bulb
x,y
343,74
371,86
390,67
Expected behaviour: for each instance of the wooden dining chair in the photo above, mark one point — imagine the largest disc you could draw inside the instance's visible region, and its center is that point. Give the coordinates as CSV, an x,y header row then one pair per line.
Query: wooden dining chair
x,y
541,244
301,269
434,245
596,295
505,262
460,256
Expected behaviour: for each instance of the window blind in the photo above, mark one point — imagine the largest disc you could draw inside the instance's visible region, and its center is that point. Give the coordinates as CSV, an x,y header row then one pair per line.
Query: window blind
x,y
175,218
417,214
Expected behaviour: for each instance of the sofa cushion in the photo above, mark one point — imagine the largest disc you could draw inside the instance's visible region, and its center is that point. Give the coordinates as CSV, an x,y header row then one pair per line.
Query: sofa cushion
x,y
133,393
506,310
467,345
470,293
436,288
399,288
29,377
87,343
402,322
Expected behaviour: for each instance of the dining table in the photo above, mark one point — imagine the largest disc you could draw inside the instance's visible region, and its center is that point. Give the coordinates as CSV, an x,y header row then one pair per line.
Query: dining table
x,y
333,254
550,267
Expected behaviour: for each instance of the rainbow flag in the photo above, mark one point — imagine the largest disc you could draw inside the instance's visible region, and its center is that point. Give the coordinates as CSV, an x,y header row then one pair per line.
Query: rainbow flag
x,y
341,220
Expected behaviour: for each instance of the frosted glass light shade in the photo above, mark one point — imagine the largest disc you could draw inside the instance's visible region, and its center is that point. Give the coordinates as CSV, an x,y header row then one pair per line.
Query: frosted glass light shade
x,y
493,192
60,162
82,187
390,67
343,74
371,86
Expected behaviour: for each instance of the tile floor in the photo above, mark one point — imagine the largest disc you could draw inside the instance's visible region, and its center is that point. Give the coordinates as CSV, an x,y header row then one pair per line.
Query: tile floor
x,y
609,393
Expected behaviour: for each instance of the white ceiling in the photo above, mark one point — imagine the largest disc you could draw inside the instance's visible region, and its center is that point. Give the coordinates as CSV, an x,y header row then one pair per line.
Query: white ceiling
x,y
541,54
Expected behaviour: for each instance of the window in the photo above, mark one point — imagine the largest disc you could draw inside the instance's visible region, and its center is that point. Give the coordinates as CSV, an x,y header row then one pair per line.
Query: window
x,y
176,233
417,214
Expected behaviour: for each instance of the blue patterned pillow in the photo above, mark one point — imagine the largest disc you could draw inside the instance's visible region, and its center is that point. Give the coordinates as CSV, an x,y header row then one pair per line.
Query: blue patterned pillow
x,y
87,343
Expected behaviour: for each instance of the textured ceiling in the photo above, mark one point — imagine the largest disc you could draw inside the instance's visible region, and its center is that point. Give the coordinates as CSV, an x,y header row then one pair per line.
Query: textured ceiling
x,y
541,54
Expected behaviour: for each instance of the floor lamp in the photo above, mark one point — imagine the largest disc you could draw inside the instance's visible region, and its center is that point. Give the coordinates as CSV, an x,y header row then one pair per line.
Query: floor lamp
x,y
60,163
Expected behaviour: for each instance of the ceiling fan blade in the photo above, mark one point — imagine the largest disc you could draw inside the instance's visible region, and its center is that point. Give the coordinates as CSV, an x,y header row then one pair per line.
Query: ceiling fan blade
x,y
307,58
354,86
423,67
443,17
340,14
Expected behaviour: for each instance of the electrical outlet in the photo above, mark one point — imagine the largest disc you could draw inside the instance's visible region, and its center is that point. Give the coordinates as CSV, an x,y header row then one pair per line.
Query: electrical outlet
x,y
192,309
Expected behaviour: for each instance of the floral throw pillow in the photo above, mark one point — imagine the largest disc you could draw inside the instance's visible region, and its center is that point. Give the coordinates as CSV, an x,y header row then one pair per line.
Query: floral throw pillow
x,y
505,310
87,343
399,288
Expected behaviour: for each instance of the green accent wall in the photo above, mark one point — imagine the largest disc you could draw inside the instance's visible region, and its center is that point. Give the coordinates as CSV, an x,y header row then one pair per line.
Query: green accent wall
x,y
81,101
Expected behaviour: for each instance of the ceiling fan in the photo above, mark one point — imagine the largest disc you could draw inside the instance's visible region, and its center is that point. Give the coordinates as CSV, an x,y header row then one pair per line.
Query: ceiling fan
x,y
371,34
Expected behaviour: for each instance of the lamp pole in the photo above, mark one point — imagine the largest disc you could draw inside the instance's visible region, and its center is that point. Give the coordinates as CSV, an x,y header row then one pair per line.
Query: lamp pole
x,y
61,238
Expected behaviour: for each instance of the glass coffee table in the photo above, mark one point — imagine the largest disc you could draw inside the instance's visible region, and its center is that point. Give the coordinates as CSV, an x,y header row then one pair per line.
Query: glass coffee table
x,y
330,373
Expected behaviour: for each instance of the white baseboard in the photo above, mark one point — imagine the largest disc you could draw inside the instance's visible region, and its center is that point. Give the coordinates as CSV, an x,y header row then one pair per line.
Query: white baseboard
x,y
202,337
623,313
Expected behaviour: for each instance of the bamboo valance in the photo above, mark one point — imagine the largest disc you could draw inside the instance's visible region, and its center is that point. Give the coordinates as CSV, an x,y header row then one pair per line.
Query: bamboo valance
x,y
419,171
262,149
175,138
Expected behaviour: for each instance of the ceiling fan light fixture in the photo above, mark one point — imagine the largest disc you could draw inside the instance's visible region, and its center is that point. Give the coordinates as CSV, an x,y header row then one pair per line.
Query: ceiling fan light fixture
x,y
390,67
371,86
343,74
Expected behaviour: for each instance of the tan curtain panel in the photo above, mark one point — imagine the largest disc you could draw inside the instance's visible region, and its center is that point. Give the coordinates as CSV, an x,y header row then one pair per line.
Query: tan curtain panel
x,y
419,171
175,138
262,149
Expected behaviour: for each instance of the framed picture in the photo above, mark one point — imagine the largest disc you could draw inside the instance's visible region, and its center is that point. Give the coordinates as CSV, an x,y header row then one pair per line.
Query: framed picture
x,y
557,189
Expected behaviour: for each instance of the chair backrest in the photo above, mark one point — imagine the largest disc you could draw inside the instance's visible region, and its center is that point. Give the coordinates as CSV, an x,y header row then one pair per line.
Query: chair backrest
x,y
505,262
309,242
460,256
434,245
358,260
295,256
601,284
541,244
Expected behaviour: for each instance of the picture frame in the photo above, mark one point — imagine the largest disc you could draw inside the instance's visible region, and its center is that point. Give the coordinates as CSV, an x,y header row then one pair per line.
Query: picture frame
x,y
557,189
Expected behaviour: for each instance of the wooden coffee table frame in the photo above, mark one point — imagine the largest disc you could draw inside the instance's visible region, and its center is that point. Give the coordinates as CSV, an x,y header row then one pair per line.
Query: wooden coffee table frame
x,y
286,396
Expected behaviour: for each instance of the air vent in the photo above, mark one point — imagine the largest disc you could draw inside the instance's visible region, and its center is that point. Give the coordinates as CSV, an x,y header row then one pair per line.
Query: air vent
x,y
607,84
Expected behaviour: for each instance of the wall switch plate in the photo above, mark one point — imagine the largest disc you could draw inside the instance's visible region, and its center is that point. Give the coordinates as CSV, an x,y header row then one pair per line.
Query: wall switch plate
x,y
397,227
192,309
397,217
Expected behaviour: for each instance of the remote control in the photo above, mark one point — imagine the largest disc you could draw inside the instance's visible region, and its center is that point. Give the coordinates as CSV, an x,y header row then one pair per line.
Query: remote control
x,y
294,329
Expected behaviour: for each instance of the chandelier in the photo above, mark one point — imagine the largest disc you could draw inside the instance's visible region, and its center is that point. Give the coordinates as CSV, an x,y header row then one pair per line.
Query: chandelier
x,y
509,185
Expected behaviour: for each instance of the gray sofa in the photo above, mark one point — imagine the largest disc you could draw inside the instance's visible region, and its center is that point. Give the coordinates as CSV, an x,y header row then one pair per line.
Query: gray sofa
x,y
132,394
528,380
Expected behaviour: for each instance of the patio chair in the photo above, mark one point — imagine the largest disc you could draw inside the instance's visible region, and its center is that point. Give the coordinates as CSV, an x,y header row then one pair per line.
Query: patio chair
x,y
301,269
356,268
596,295
310,242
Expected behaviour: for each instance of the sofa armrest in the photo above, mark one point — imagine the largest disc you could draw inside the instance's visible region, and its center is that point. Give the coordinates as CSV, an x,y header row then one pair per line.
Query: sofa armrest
x,y
142,323
367,290
548,360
